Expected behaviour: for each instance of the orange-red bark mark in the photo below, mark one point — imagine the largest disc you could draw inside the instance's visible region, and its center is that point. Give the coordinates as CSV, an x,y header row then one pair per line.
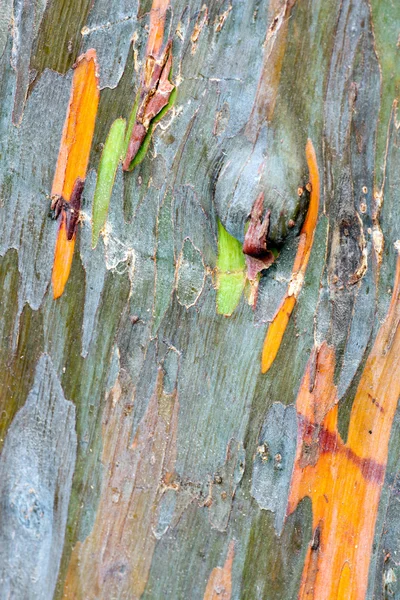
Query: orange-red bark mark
x,y
73,156
219,586
63,255
158,14
344,481
156,88
279,323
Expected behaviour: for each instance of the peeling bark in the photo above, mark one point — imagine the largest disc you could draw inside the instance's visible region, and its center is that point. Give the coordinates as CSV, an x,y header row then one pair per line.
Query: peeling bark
x,y
226,179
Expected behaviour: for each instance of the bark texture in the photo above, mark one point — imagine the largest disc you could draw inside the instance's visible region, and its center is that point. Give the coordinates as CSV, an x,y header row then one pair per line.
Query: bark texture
x,y
143,452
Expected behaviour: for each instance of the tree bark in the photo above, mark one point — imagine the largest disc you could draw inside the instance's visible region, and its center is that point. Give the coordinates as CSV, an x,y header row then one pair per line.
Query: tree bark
x,y
200,352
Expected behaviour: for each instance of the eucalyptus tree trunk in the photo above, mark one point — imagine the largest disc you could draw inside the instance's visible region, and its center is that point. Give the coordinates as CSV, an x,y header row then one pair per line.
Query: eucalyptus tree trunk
x,y
200,353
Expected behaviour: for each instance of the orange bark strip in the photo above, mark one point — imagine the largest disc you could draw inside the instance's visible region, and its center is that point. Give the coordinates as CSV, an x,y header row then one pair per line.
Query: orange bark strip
x,y
157,21
73,155
219,585
275,332
310,222
63,254
344,481
280,321
381,385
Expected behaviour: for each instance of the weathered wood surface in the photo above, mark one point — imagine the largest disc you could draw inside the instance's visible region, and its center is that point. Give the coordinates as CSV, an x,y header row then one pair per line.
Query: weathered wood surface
x,y
144,454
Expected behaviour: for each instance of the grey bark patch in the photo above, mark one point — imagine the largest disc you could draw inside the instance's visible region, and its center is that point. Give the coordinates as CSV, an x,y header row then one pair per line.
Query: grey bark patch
x,y
359,332
31,156
191,221
165,513
221,119
274,461
165,259
119,254
26,19
268,166
146,385
95,268
191,275
274,283
351,118
238,182
5,21
390,224
113,252
114,369
224,484
36,469
109,30
170,368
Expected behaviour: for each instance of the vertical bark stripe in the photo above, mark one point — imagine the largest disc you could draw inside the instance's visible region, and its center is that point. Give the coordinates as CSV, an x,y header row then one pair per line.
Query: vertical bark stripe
x,y
279,323
73,156
345,512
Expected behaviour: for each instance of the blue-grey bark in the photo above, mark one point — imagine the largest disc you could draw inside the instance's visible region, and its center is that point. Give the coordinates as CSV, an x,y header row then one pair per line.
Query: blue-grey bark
x,y
82,373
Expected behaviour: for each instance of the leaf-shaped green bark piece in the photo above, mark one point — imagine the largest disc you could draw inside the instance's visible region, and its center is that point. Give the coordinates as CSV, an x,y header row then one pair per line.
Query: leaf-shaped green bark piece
x,y
231,272
110,157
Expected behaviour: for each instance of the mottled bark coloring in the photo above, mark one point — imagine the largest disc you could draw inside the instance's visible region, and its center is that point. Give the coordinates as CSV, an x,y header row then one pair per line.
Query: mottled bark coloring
x,y
36,468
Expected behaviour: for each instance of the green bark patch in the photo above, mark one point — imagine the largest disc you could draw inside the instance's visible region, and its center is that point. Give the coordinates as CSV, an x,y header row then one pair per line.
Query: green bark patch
x,y
59,38
17,367
282,560
231,272
111,155
386,18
